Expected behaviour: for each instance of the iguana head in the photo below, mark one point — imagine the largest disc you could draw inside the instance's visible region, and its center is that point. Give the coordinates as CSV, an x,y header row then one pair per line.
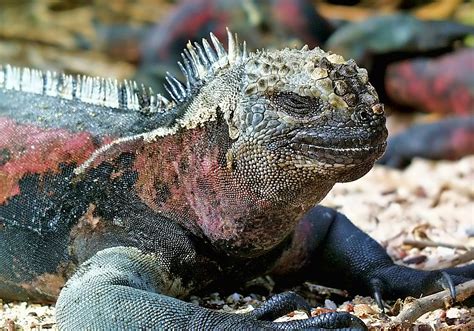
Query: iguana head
x,y
294,116
312,112
281,128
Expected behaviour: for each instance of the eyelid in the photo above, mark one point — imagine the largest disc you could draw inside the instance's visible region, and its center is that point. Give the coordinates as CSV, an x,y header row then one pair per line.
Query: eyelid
x,y
294,104
289,98
294,100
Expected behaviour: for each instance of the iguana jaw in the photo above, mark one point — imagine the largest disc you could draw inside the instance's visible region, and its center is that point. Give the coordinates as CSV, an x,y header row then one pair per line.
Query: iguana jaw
x,y
339,154
342,157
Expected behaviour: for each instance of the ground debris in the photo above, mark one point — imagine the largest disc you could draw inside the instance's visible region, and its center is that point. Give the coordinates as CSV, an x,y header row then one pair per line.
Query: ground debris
x,y
27,316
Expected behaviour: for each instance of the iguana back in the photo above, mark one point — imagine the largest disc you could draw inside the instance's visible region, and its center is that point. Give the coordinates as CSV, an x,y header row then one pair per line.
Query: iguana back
x,y
50,124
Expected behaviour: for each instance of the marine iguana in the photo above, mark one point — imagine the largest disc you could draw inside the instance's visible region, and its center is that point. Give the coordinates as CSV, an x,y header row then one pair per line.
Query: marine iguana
x,y
119,202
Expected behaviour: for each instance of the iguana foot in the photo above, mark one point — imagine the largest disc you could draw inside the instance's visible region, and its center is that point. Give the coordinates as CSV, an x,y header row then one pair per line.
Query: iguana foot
x,y
390,282
283,303
209,319
339,254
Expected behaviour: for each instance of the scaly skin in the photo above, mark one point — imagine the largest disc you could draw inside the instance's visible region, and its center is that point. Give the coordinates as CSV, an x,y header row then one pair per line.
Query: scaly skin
x,y
139,201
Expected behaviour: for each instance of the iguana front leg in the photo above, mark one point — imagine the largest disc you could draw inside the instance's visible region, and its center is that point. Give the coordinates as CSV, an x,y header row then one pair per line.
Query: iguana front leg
x,y
326,245
124,288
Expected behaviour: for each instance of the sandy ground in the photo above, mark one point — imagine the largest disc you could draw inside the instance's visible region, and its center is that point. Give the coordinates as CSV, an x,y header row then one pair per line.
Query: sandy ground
x,y
427,201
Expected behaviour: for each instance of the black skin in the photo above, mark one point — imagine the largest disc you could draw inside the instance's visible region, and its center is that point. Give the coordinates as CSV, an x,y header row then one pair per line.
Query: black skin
x,y
348,256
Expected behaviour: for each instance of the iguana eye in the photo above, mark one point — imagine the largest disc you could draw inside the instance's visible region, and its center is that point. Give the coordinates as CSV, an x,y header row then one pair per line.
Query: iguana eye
x,y
294,101
295,104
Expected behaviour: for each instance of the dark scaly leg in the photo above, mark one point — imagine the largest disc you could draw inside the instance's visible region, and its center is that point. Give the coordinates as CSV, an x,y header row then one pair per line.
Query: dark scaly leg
x,y
329,247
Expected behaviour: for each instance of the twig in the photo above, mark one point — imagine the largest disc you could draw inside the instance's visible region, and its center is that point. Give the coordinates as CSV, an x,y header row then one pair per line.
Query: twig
x,y
325,290
412,310
430,243
464,258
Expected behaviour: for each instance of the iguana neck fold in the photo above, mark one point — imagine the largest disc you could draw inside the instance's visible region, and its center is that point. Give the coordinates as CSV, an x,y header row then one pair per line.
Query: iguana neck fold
x,y
189,180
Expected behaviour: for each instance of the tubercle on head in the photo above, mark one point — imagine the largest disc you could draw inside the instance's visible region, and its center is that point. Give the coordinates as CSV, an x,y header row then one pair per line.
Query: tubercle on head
x,y
339,88
312,73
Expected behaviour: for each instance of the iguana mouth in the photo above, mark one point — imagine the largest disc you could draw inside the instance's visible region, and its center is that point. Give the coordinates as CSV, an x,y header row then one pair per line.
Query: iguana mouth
x,y
335,149
344,156
345,151
374,148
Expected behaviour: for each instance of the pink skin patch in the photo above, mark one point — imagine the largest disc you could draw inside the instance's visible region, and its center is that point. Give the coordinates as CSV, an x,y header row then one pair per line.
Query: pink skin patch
x,y
189,189
29,149
195,183
202,194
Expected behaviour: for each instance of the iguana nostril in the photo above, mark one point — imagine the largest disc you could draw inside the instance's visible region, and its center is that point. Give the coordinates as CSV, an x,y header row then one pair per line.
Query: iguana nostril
x,y
364,115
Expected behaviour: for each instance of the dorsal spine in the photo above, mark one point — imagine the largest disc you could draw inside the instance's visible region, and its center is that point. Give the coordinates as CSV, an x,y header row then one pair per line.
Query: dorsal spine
x,y
199,63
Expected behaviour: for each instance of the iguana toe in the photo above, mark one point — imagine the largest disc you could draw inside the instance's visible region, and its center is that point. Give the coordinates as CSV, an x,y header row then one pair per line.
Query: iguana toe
x,y
281,304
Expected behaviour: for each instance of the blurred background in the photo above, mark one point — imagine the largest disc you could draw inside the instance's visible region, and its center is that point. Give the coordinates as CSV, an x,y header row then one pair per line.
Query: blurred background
x,y
418,52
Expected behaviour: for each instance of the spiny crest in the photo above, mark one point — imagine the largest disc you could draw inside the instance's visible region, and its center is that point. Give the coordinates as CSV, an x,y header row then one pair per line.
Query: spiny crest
x,y
199,63
92,90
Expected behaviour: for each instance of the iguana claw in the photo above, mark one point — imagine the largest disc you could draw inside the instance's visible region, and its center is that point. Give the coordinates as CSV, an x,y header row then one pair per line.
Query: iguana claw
x,y
377,292
447,283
